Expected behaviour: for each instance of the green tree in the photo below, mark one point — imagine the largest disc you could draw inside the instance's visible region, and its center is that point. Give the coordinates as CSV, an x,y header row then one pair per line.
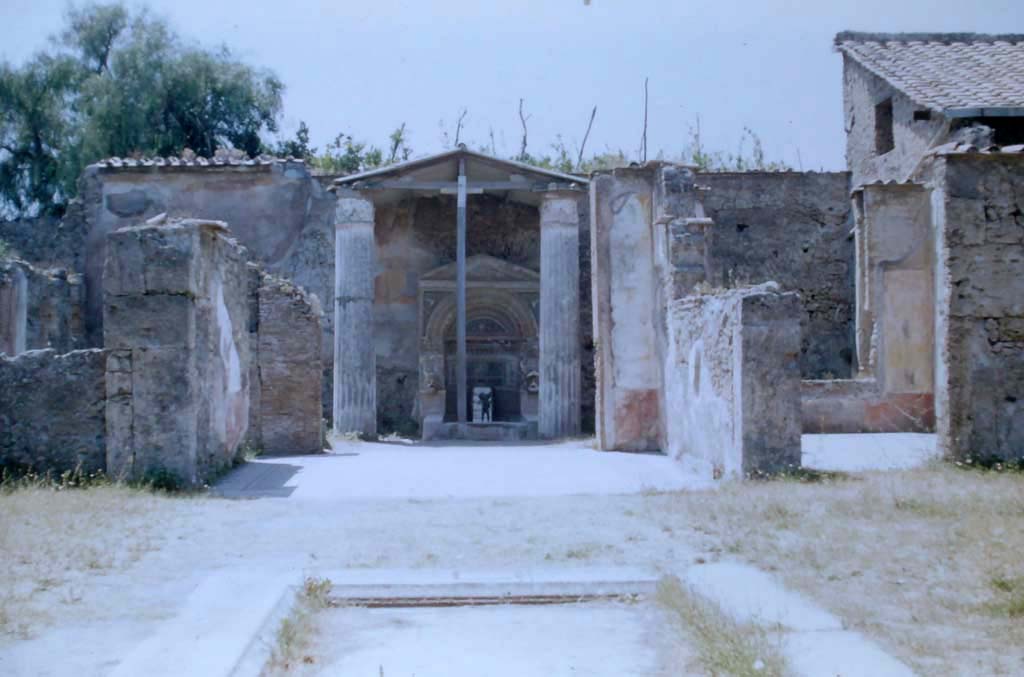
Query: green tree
x,y
119,82
298,147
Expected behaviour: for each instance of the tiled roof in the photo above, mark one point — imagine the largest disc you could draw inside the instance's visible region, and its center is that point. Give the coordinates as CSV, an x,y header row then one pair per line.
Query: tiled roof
x,y
956,148
196,161
945,71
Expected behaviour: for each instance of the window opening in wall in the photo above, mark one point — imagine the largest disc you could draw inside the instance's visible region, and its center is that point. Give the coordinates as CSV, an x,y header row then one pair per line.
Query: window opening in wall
x,y
1006,131
884,141
922,115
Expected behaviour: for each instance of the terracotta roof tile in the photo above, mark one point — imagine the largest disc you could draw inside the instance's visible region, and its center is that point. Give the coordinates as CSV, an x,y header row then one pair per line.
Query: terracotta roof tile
x,y
944,72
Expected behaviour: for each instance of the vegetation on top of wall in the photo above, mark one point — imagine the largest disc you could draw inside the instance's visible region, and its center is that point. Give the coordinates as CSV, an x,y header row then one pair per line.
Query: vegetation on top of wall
x,y
5,251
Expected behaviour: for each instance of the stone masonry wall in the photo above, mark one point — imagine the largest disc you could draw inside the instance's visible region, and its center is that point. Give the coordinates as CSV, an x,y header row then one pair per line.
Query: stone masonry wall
x,y
39,308
862,91
48,242
978,212
793,228
290,411
52,413
278,211
732,381
176,320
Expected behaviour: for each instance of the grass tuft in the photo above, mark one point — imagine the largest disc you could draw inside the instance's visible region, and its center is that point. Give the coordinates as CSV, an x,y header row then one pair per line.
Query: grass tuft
x,y
724,647
295,634
1010,596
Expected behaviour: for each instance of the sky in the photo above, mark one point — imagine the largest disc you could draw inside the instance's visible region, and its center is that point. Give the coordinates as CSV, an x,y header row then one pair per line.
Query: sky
x,y
364,68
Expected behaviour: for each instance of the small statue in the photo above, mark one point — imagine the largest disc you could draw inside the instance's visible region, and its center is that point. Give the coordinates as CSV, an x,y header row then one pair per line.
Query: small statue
x,y
486,406
532,382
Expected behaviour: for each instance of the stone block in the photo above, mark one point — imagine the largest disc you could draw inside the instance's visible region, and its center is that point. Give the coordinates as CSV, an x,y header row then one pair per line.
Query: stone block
x,y
149,321
157,259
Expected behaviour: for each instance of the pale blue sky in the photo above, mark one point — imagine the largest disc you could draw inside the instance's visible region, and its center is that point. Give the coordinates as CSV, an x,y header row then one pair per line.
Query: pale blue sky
x,y
365,67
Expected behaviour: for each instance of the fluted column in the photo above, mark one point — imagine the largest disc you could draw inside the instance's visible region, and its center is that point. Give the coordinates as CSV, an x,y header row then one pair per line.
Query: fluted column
x,y
355,359
559,414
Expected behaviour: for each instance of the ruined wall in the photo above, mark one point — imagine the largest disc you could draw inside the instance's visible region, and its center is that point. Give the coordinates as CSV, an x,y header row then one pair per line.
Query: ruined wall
x,y
39,308
176,320
862,91
287,392
52,411
732,381
49,242
978,213
792,228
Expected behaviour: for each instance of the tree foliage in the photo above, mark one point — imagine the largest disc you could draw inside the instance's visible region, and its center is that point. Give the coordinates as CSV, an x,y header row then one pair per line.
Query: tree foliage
x,y
120,82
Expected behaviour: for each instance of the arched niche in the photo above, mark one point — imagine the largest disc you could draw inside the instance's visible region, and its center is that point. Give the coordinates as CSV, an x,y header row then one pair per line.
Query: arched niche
x,y
501,338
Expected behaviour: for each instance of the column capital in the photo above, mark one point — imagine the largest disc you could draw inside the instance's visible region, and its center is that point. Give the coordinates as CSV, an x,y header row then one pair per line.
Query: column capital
x,y
560,207
353,208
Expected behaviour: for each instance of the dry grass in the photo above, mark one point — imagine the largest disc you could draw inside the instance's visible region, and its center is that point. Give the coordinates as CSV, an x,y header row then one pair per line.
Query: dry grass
x,y
297,632
928,561
724,647
52,539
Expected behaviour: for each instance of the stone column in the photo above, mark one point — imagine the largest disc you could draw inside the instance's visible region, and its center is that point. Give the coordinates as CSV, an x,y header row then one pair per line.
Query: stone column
x,y
559,414
355,359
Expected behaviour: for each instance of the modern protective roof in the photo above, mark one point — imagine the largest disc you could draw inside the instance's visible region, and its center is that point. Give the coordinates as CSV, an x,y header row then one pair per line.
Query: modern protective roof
x,y
958,74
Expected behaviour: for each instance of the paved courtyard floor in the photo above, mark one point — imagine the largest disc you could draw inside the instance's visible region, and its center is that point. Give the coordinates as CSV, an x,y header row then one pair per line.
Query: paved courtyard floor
x,y
134,573
407,470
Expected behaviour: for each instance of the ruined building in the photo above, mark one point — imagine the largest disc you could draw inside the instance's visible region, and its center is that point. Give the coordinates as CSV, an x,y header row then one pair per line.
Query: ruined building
x,y
712,316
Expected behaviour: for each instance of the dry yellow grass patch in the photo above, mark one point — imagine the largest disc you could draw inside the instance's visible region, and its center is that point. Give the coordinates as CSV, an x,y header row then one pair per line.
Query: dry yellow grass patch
x,y
52,541
723,647
297,632
929,562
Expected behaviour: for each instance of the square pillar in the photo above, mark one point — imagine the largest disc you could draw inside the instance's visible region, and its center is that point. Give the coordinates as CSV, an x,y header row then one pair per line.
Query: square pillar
x,y
559,406
355,358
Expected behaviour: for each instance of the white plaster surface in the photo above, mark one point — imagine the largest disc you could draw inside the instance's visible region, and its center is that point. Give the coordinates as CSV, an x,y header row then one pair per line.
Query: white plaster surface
x,y
813,640
361,470
848,654
859,452
752,596
212,630
513,641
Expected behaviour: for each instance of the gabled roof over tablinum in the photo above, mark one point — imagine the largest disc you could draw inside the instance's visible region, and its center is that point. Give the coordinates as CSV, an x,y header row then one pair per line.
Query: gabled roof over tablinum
x,y
485,174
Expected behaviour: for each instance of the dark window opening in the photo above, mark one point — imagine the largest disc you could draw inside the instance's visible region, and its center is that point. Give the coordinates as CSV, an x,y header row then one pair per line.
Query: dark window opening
x,y
1006,131
884,141
922,115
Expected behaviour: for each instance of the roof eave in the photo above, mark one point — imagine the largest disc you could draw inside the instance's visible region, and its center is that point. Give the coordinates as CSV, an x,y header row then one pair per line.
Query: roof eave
x,y
985,112
411,165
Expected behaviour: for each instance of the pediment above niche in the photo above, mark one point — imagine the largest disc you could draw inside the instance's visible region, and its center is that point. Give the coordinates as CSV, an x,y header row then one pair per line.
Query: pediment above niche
x,y
482,270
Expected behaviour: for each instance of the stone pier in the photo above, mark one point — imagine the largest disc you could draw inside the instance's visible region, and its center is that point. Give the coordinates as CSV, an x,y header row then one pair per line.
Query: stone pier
x,y
355,359
559,414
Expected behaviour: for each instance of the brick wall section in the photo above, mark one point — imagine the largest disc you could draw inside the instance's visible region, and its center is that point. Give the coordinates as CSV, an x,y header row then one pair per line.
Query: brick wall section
x,y
176,316
978,204
52,411
792,228
290,371
732,381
